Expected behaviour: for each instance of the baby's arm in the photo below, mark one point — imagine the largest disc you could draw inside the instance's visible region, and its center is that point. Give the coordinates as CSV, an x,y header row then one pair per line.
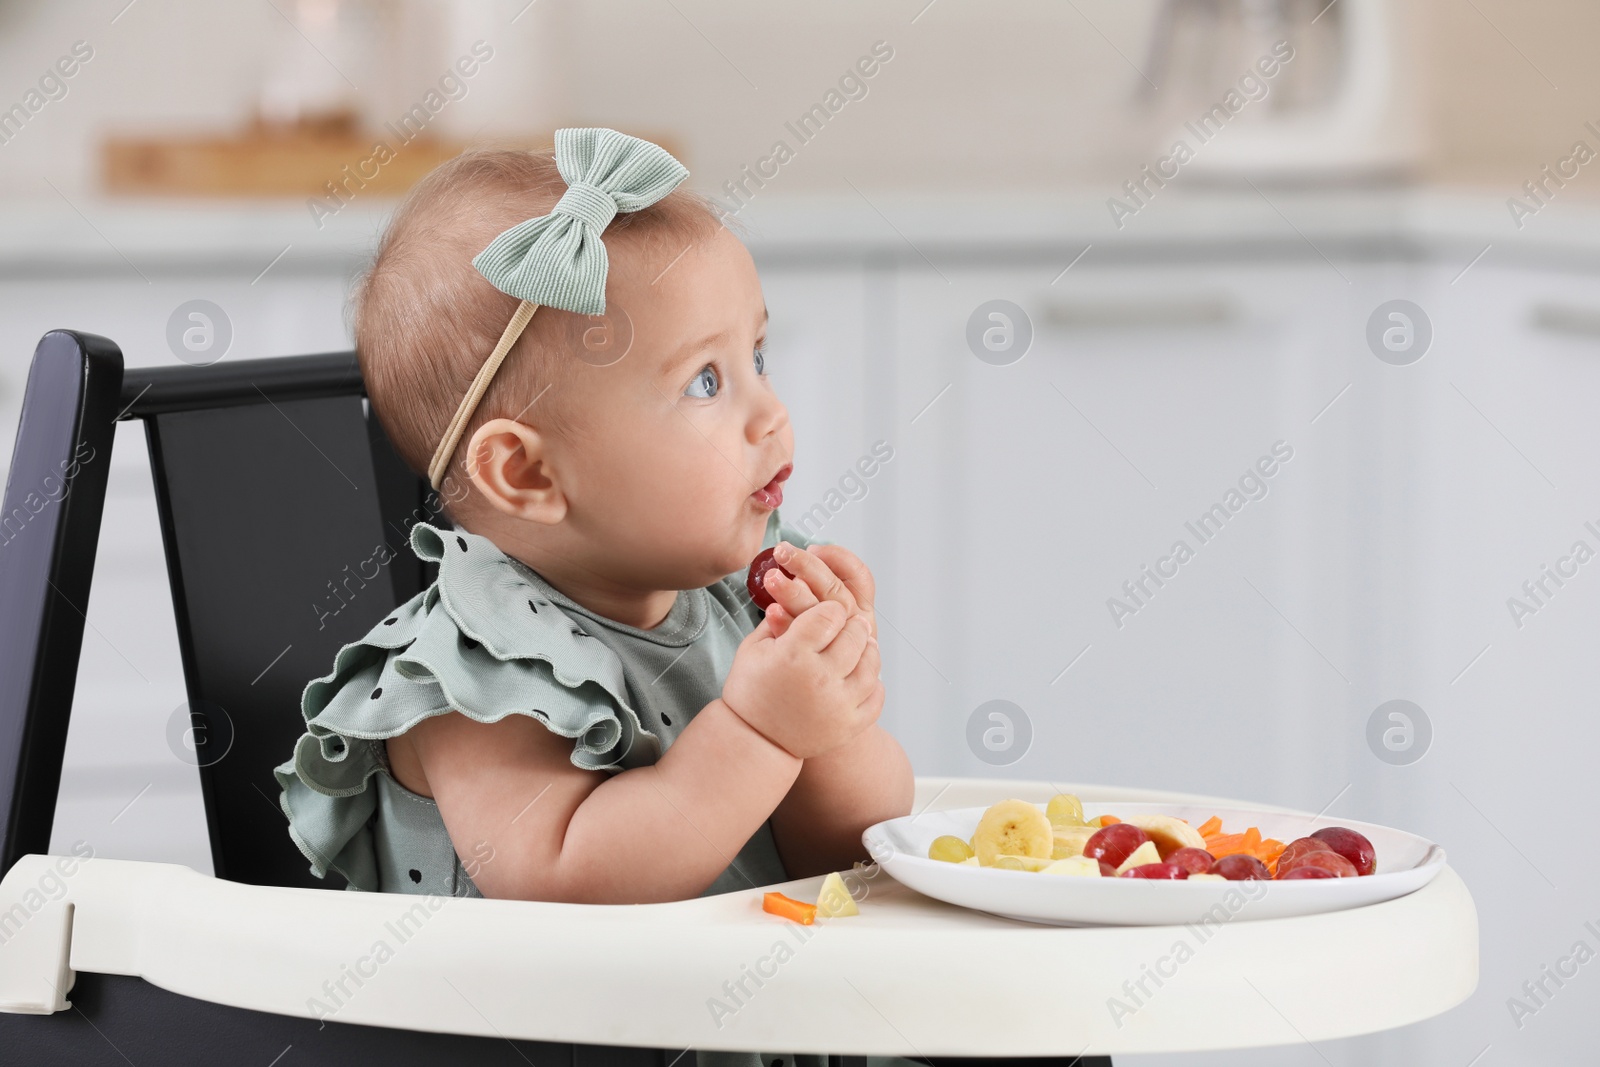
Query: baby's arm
x,y
839,793
836,796
559,832
658,832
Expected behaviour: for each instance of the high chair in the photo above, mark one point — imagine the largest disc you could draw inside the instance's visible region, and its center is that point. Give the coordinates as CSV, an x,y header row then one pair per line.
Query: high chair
x,y
119,961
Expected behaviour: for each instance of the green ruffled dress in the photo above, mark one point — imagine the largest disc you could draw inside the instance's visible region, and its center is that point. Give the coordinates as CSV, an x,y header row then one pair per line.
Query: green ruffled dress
x,y
490,638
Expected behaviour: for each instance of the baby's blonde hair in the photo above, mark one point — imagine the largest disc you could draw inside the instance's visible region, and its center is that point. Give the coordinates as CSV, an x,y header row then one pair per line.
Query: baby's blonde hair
x,y
425,320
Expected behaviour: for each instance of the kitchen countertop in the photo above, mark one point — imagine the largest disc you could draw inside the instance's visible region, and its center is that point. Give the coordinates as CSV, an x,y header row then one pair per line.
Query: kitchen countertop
x,y
54,237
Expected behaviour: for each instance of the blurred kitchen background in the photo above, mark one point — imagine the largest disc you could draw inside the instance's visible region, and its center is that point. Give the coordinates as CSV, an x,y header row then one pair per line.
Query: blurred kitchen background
x,y
1156,338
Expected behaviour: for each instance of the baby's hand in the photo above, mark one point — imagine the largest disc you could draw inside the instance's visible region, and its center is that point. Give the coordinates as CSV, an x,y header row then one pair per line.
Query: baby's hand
x,y
821,572
811,689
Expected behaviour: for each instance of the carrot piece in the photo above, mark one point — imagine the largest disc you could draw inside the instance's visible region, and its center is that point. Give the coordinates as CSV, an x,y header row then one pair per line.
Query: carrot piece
x,y
789,908
1252,838
1211,827
1107,820
1226,845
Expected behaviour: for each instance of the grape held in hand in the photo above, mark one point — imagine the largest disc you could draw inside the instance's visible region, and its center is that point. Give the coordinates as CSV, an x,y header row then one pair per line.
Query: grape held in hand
x,y
759,567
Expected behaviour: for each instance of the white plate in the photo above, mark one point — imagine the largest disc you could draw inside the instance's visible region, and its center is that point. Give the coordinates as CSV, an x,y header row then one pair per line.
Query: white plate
x,y
1406,863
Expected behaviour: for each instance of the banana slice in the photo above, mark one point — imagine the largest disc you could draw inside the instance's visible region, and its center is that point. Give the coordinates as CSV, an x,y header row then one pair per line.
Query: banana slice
x,y
1145,853
1069,840
1075,866
1008,862
834,899
1012,827
1168,833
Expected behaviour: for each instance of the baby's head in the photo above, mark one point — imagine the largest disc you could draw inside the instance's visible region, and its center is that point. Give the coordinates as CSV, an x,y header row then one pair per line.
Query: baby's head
x,y
630,446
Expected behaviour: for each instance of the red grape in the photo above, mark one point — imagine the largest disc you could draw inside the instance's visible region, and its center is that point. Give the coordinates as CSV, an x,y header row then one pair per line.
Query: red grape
x,y
1327,860
1193,860
759,567
1114,843
1168,872
1106,870
1241,867
1299,847
1306,871
1351,845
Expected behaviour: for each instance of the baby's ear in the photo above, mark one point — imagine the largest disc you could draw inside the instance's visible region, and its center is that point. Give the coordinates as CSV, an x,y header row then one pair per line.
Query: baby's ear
x,y
508,464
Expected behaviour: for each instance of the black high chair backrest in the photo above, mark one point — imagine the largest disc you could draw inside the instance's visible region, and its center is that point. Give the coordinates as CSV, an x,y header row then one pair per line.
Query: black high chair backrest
x,y
285,515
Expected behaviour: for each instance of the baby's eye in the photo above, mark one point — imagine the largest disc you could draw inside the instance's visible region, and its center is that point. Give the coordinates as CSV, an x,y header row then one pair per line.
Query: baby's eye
x,y
761,360
705,383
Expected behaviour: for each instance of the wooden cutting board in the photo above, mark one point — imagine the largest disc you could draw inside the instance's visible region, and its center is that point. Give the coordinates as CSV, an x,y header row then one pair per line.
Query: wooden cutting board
x,y
259,163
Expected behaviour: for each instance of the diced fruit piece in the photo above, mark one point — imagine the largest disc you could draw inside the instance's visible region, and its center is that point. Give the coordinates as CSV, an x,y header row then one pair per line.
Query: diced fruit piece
x,y
1193,860
1168,872
1076,866
949,848
1328,860
1115,843
1352,845
1306,871
759,566
1021,863
1241,867
1064,809
1206,877
789,908
1169,833
970,861
1145,853
1106,870
1070,840
834,899
1013,827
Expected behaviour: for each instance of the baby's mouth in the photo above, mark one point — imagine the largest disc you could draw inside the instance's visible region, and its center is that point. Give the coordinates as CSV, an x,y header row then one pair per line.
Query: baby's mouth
x,y
771,494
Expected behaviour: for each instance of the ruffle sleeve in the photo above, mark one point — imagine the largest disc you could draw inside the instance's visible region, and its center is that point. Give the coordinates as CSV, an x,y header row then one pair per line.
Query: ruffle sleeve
x,y
480,640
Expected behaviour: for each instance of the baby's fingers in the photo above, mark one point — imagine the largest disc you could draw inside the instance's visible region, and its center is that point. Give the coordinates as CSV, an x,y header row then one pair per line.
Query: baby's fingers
x,y
810,570
867,668
777,619
848,566
816,629
793,594
848,647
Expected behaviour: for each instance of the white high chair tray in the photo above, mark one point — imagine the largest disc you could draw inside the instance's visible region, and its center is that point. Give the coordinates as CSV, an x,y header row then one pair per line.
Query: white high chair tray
x,y
1406,863
909,976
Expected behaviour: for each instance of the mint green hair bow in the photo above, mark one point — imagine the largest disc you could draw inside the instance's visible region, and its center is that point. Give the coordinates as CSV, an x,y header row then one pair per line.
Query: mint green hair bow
x,y
559,259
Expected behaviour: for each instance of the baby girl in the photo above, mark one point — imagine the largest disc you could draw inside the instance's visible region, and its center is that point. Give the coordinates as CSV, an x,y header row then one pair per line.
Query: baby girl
x,y
585,705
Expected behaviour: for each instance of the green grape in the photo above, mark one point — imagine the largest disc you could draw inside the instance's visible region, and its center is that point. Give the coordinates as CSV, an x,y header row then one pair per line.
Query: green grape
x,y
950,849
1064,809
